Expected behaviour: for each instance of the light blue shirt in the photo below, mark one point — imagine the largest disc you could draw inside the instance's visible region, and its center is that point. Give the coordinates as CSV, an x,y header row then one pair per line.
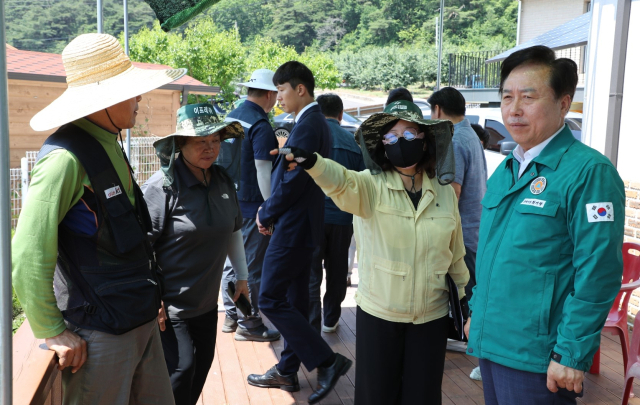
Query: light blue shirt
x,y
471,174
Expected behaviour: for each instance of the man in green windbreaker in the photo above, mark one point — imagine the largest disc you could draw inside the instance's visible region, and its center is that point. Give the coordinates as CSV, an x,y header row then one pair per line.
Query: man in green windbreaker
x,y
549,261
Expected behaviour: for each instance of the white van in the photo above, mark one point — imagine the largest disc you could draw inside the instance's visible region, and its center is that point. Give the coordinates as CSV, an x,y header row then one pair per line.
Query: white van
x,y
491,120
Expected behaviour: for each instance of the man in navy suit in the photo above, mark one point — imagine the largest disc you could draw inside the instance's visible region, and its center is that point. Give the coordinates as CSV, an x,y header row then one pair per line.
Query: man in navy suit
x,y
294,213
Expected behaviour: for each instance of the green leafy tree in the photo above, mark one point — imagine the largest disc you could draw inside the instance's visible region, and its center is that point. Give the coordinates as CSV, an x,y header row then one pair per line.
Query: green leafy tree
x,y
251,17
49,25
293,23
214,57
265,53
325,72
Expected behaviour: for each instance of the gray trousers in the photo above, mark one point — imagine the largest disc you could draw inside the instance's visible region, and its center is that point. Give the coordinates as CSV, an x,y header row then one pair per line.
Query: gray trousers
x,y
255,246
120,369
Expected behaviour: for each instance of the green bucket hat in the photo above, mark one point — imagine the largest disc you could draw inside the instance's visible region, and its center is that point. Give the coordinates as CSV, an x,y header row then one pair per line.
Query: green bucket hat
x,y
369,135
197,120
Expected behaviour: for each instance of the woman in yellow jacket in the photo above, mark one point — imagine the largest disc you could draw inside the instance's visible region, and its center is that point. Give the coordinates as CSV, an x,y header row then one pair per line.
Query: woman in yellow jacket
x,y
408,233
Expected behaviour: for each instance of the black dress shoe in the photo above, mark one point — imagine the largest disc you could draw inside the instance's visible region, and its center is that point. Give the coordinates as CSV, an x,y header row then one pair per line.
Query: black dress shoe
x,y
328,377
273,379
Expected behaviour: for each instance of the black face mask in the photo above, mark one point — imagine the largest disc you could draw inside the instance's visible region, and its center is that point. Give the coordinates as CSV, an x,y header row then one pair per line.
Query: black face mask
x,y
405,153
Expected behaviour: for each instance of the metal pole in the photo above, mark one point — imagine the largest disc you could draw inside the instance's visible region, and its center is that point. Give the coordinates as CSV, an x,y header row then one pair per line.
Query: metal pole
x,y
440,44
5,230
127,147
100,22
24,173
519,22
616,86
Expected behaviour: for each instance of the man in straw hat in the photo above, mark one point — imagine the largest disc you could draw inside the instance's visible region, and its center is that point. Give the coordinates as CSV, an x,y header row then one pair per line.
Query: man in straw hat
x,y
83,268
255,188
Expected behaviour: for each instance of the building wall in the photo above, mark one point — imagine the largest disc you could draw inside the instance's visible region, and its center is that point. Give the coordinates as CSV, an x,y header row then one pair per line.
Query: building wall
x,y
156,114
629,141
540,16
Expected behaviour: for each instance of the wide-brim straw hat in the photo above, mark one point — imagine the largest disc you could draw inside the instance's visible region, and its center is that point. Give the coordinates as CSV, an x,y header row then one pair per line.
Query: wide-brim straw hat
x,y
371,128
99,75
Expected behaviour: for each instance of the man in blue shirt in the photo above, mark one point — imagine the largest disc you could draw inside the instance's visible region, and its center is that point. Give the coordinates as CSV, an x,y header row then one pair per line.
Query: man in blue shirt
x,y
255,188
338,226
470,183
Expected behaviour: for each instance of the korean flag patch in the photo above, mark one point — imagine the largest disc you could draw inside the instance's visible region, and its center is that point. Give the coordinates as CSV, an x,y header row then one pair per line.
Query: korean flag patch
x,y
600,212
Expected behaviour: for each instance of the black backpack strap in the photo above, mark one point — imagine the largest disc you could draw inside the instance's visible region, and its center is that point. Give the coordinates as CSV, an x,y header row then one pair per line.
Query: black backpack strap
x,y
126,227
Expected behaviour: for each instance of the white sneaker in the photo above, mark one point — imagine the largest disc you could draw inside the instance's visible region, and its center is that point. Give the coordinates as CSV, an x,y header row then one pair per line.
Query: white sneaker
x,y
475,374
330,329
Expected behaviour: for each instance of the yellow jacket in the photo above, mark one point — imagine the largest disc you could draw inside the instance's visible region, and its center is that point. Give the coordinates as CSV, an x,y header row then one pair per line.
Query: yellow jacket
x,y
403,253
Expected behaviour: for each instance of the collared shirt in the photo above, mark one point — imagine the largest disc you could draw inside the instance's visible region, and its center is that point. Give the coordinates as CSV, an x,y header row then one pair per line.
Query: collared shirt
x,y
57,185
345,151
471,174
304,110
191,249
524,158
404,253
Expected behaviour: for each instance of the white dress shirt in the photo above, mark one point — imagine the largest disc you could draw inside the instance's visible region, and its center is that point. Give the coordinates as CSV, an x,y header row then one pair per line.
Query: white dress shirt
x,y
524,158
304,110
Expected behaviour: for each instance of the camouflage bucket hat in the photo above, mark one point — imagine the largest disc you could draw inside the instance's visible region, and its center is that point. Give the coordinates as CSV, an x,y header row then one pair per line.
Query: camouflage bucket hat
x,y
194,120
371,128
369,135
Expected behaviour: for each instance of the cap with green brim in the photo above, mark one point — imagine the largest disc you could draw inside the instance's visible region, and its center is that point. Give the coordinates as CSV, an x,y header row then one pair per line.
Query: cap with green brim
x,y
194,120
369,135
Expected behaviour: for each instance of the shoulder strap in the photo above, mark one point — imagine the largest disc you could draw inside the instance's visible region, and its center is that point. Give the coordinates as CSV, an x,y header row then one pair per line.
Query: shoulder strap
x,y
125,227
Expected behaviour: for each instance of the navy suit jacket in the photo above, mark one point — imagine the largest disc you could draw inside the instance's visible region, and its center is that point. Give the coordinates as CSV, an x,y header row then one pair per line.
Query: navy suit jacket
x,y
296,205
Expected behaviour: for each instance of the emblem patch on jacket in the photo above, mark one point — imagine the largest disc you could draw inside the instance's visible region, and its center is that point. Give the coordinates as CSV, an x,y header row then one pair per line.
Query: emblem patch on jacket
x,y
600,212
538,185
112,192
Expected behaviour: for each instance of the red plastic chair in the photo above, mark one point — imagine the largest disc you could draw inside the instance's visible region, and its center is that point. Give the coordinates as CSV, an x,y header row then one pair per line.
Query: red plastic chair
x,y
617,319
633,370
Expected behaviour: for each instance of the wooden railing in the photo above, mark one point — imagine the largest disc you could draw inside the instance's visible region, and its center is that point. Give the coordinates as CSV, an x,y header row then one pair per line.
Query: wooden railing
x,y
36,379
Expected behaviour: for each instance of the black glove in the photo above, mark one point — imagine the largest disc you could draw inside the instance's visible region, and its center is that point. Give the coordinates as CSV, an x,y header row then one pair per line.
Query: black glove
x,y
303,158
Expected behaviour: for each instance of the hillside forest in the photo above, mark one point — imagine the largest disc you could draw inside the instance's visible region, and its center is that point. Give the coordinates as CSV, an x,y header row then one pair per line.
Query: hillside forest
x,y
367,44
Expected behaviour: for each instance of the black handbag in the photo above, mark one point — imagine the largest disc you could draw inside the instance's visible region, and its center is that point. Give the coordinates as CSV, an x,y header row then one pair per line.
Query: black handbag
x,y
458,312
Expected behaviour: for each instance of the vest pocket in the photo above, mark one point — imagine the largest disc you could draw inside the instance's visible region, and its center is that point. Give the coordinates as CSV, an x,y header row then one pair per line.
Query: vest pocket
x,y
391,284
126,296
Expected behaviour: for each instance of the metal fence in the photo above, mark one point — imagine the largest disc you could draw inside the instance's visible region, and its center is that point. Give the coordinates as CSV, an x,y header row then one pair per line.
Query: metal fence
x,y
143,161
469,70
15,185
143,158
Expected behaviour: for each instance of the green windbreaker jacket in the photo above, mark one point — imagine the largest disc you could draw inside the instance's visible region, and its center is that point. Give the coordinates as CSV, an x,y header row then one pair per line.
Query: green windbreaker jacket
x,y
549,261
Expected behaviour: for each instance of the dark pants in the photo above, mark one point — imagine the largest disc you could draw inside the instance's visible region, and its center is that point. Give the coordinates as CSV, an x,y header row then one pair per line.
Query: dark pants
x,y
507,386
399,363
470,261
189,346
334,250
255,246
284,299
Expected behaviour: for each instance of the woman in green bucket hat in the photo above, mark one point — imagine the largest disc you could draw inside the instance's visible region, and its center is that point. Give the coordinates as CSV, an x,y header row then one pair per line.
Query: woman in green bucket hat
x,y
196,224
409,236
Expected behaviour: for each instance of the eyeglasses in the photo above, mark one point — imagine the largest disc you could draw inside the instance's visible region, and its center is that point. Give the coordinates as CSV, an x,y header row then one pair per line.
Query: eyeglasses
x,y
409,134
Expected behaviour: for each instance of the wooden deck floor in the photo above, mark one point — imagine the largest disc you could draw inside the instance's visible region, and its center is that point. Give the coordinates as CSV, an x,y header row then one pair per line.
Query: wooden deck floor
x,y
234,361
